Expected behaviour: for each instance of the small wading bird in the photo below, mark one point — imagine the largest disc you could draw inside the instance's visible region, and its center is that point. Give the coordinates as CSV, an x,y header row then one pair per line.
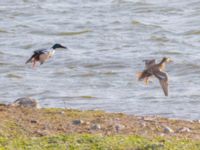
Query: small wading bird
x,y
157,70
43,55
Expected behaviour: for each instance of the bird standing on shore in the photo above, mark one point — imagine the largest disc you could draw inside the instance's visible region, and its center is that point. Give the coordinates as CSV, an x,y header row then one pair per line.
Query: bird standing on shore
x,y
157,70
43,55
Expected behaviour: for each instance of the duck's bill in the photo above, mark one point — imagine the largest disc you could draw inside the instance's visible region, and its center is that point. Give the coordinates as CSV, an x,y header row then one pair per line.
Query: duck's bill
x,y
169,60
63,47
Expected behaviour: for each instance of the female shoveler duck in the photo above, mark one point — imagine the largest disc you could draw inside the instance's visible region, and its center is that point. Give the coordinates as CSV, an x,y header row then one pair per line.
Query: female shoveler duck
x,y
43,55
151,68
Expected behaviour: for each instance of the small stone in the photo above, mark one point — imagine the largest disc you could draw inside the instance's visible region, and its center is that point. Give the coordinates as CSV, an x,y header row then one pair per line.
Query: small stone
x,y
33,121
157,146
196,121
86,123
140,117
108,133
62,112
96,127
143,124
184,129
162,134
26,102
1,104
117,119
41,133
168,130
119,127
149,118
77,122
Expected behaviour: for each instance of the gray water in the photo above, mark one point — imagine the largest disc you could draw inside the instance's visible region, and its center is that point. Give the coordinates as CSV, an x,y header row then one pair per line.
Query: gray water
x,y
107,41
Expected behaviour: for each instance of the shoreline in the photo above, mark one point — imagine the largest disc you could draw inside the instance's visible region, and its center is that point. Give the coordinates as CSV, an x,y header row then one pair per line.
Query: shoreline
x,y
46,123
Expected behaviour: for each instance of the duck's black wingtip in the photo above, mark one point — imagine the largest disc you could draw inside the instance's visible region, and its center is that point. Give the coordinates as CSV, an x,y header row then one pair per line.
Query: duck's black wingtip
x,y
29,60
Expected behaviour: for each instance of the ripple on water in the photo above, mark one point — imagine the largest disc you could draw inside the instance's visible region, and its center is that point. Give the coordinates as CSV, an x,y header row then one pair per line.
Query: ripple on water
x,y
192,32
27,46
160,38
171,53
4,64
88,97
72,98
60,33
73,33
13,76
3,31
92,65
145,25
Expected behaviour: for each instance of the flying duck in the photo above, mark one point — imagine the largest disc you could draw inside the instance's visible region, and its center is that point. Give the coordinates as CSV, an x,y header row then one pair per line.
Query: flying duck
x,y
157,70
42,55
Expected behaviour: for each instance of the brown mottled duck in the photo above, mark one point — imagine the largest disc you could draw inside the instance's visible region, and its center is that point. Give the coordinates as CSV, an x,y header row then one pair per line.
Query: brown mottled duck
x,y
157,70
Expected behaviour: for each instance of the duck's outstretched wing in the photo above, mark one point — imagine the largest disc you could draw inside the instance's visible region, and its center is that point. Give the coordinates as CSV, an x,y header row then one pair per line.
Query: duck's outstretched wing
x,y
36,55
30,59
163,79
149,63
40,51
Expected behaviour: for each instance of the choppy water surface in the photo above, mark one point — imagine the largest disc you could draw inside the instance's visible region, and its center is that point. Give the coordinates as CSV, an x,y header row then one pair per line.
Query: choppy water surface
x,y
107,41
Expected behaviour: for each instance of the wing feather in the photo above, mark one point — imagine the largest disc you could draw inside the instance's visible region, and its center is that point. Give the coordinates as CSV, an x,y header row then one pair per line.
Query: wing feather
x,y
163,79
144,74
149,63
40,51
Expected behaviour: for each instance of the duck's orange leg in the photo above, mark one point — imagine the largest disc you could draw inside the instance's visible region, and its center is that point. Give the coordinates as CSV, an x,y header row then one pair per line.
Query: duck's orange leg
x,y
146,80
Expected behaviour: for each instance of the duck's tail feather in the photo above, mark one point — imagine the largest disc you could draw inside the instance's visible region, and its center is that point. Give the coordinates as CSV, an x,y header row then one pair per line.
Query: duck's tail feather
x,y
139,75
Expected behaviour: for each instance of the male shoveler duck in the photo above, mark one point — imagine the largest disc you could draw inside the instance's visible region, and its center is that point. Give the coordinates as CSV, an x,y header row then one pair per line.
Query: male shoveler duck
x,y
42,55
151,68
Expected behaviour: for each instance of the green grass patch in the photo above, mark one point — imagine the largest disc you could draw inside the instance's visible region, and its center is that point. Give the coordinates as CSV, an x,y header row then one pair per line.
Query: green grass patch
x,y
95,142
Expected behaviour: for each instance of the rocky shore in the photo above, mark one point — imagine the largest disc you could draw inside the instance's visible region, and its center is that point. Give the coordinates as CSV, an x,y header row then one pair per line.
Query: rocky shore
x,y
25,127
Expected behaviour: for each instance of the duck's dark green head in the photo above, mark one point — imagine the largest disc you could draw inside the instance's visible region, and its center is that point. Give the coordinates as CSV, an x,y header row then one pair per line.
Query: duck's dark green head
x,y
55,46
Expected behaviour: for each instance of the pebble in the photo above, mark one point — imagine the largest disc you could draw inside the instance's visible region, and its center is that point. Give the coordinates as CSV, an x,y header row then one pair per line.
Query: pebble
x,y
119,127
196,121
162,134
168,130
96,127
26,102
62,112
41,133
184,129
149,118
156,146
33,121
143,124
77,122
86,123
